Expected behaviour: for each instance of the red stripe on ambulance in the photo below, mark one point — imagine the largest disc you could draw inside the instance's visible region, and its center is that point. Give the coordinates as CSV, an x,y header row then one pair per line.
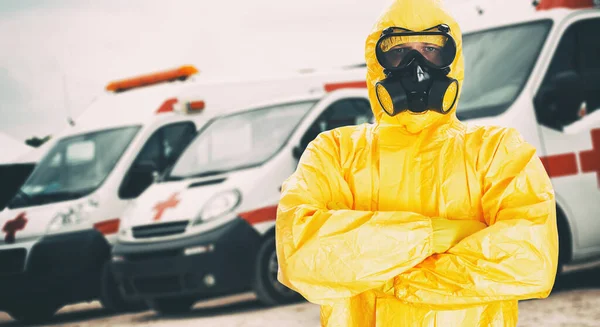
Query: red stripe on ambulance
x,y
561,165
330,87
566,164
260,215
573,4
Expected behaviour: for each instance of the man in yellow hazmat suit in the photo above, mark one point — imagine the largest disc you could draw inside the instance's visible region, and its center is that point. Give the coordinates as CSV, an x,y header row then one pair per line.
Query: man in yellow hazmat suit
x,y
418,219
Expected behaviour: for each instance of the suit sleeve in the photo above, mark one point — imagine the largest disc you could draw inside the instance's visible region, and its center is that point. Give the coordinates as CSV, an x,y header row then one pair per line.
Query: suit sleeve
x,y
328,251
515,258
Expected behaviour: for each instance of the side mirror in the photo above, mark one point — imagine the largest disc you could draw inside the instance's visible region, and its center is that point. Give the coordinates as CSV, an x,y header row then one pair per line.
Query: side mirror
x,y
155,177
568,79
558,102
147,170
297,152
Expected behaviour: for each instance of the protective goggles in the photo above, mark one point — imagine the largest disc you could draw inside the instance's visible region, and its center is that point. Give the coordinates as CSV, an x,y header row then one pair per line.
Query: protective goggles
x,y
398,47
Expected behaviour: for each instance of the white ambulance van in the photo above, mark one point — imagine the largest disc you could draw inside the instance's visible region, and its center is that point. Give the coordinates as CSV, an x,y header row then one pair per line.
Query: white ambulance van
x,y
539,72
59,228
207,228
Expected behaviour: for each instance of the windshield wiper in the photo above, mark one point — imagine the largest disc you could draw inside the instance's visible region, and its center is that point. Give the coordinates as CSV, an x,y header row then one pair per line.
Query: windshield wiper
x,y
45,198
20,199
205,174
208,173
172,178
23,194
64,195
218,172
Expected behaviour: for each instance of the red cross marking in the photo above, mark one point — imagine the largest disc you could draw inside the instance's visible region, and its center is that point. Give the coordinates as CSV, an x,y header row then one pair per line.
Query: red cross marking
x,y
160,207
590,160
12,226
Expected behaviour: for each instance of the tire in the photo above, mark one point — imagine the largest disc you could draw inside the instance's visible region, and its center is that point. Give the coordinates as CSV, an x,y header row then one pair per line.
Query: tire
x,y
172,306
265,284
564,247
111,297
34,312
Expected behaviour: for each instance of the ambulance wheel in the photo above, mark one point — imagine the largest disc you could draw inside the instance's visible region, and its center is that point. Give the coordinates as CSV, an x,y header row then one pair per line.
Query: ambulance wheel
x,y
171,306
34,312
111,297
265,284
564,246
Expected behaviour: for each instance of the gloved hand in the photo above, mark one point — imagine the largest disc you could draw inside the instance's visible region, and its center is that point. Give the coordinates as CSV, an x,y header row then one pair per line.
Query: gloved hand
x,y
447,233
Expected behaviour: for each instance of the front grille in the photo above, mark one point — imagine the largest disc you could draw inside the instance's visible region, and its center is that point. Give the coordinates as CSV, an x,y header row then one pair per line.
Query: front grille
x,y
157,285
158,230
12,261
153,255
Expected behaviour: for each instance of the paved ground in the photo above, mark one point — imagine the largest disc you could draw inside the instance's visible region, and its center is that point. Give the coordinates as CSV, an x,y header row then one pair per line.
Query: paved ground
x,y
574,303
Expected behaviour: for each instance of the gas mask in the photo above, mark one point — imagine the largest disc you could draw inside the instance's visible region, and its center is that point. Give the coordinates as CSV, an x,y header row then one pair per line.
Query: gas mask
x,y
416,66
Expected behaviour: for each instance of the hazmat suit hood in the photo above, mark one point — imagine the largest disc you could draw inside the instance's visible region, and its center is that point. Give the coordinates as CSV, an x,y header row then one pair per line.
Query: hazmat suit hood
x,y
415,15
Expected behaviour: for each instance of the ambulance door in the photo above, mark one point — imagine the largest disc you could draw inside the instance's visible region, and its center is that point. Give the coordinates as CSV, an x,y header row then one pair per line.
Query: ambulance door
x,y
159,153
568,111
342,112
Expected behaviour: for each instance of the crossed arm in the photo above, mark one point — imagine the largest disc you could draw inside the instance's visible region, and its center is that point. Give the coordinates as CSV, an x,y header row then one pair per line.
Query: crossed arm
x,y
328,252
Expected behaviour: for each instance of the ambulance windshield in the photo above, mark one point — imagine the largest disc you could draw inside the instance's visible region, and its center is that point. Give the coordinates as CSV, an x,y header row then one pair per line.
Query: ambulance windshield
x,y
498,63
240,140
74,167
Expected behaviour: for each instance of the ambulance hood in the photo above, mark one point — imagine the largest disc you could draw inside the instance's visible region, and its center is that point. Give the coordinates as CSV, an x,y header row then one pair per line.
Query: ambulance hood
x,y
173,201
33,222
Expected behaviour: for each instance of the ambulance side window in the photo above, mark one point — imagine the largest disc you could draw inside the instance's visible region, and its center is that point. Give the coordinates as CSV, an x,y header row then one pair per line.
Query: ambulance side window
x,y
590,63
160,151
571,87
344,112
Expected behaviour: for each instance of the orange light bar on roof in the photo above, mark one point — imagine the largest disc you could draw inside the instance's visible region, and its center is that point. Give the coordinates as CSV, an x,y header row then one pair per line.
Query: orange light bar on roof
x,y
181,73
330,87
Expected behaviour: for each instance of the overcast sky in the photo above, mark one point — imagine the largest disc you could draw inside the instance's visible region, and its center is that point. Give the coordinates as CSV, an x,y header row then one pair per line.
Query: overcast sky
x,y
77,46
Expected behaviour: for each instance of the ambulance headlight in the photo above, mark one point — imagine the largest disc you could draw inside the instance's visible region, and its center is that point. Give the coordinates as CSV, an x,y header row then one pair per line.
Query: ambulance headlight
x,y
71,217
219,205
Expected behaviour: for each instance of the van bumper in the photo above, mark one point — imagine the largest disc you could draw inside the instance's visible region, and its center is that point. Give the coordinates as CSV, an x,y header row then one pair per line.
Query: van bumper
x,y
65,268
222,262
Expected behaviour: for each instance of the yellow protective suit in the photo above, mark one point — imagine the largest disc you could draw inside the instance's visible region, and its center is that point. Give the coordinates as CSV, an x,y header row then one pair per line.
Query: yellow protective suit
x,y
417,220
